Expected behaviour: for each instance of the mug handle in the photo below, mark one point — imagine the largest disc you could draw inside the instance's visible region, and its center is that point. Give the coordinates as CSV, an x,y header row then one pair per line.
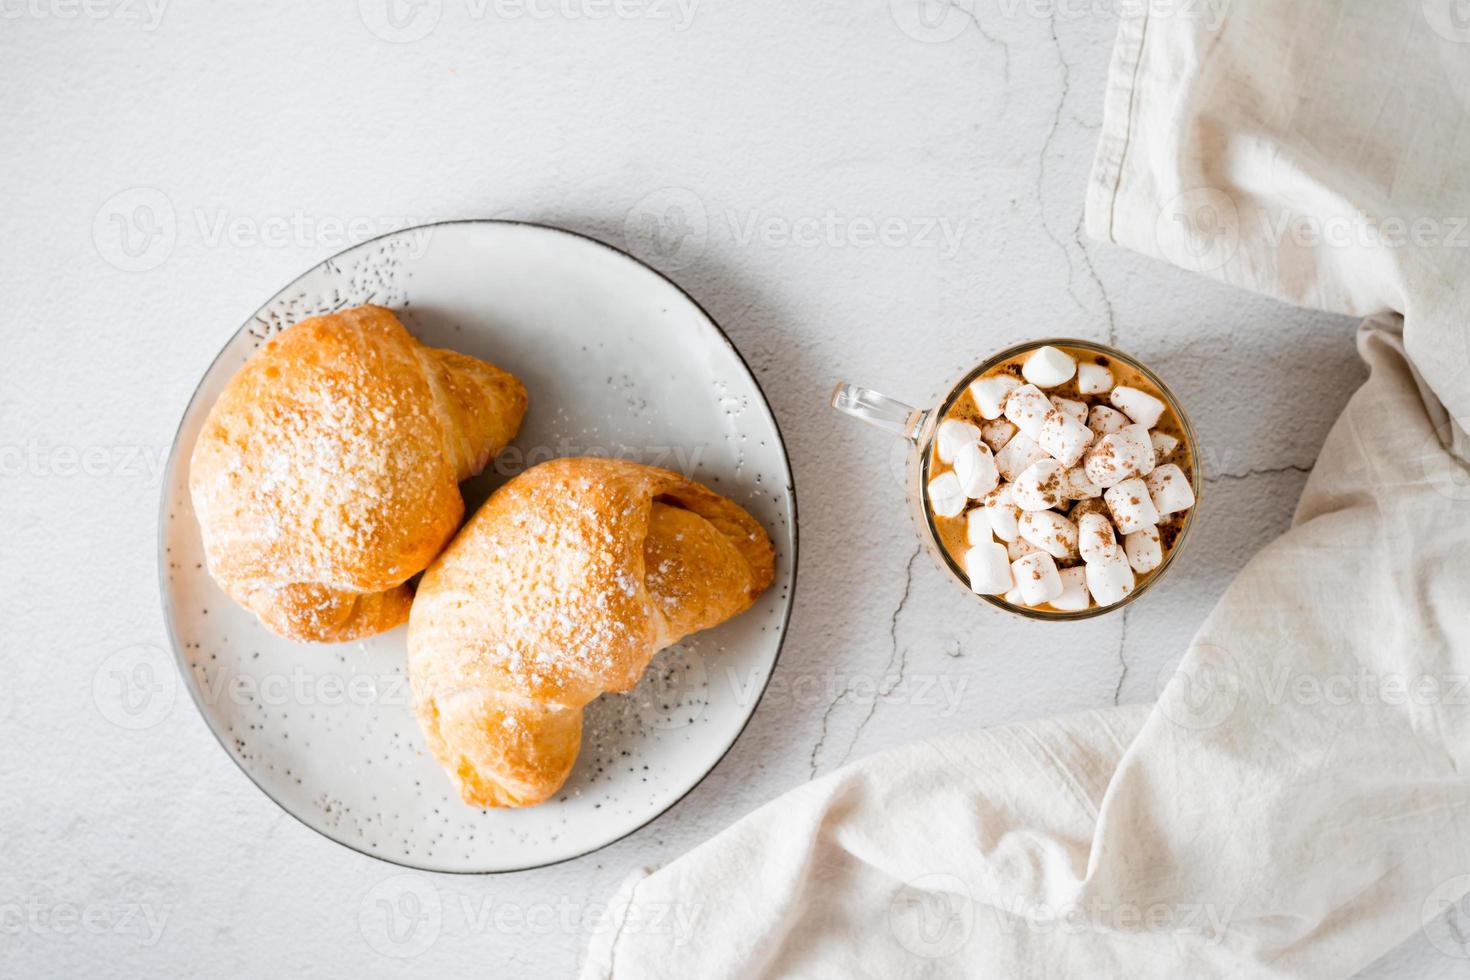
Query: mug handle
x,y
878,409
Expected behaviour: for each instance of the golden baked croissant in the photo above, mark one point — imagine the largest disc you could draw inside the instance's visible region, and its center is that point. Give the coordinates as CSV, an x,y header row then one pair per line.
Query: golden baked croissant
x,y
327,473
563,586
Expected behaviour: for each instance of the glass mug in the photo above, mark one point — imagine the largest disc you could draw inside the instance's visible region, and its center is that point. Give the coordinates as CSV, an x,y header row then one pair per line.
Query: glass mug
x,y
918,425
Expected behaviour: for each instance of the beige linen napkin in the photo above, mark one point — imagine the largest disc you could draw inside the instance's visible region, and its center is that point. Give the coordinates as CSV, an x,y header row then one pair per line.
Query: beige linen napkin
x,y
1298,802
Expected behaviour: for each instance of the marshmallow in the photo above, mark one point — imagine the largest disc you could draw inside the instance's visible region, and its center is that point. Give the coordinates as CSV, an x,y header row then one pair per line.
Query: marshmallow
x,y
1109,579
1139,406
1014,597
1036,578
1074,597
975,467
946,496
1018,454
1114,458
1027,407
989,569
990,394
1143,549
1132,509
977,527
1048,367
1001,513
1091,505
1095,537
1105,421
997,433
1050,531
1094,379
1164,444
954,435
1139,435
1018,548
1068,406
1038,486
1076,485
1064,438
1169,489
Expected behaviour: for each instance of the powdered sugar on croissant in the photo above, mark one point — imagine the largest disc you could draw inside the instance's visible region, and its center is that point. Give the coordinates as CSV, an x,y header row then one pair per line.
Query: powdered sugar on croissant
x,y
563,586
327,473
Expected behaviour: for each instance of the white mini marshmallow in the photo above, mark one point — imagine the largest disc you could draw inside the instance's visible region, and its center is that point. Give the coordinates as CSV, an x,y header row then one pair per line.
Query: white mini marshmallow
x,y
1138,434
1095,537
1018,548
1132,509
1027,407
1076,485
1039,486
990,394
1036,578
1139,406
1018,454
1164,444
1090,505
1109,579
1051,532
946,496
977,527
989,569
975,466
1114,458
997,433
1064,438
1143,548
1070,406
1105,421
1014,597
1048,367
953,435
1170,490
1074,597
1094,379
1001,514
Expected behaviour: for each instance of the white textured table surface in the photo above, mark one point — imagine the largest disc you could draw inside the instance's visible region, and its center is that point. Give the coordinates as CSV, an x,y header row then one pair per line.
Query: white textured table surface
x,y
861,194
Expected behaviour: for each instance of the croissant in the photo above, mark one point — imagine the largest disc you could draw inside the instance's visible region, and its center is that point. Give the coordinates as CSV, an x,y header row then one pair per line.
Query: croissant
x,y
563,586
327,473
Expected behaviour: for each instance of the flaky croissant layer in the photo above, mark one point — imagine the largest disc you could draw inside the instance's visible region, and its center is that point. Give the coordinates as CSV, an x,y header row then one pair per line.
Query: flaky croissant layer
x,y
563,586
327,473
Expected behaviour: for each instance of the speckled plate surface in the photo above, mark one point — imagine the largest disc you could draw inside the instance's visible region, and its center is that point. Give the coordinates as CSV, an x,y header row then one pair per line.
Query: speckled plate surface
x,y
618,361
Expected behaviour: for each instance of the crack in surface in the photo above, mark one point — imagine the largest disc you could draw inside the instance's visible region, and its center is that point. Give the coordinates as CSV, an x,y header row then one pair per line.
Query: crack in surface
x,y
1097,280
894,656
991,39
1122,660
1051,133
1262,471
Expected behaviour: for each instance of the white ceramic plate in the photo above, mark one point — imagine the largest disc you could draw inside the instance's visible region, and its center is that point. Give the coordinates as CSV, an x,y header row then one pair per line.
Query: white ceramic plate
x,y
617,361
